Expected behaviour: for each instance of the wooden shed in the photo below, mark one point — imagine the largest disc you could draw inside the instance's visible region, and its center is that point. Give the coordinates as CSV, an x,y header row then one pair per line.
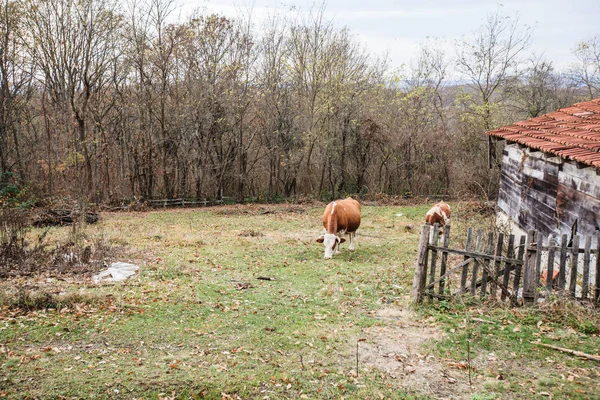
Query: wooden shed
x,y
550,179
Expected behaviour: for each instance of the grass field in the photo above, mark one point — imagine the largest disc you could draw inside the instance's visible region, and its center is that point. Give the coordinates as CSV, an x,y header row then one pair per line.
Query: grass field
x,y
238,303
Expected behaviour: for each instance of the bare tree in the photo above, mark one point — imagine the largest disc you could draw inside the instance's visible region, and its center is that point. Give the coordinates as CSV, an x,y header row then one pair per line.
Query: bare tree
x,y
540,89
105,103
423,120
309,61
162,48
490,58
136,97
15,93
430,71
71,44
490,61
219,59
586,72
350,79
281,136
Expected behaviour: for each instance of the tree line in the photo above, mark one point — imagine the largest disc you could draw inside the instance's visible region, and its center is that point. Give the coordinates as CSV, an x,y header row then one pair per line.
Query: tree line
x,y
107,102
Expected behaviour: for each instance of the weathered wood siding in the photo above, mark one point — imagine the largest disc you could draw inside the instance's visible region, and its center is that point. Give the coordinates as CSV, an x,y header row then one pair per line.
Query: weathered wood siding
x,y
579,198
546,193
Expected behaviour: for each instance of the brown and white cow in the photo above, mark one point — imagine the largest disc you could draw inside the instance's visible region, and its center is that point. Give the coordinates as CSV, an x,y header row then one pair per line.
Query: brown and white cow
x,y
438,214
544,277
340,217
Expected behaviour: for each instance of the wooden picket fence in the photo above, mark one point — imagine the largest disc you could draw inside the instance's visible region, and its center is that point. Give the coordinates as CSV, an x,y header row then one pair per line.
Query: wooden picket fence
x,y
506,268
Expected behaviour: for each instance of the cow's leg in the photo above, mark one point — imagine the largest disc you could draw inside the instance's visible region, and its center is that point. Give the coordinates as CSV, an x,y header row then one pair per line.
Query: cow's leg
x,y
338,249
445,218
351,245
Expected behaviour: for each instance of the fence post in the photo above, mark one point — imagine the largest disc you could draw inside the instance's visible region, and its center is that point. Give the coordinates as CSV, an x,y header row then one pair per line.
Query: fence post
x,y
562,271
478,246
597,291
421,267
434,241
497,264
465,270
519,267
550,268
531,248
510,253
486,264
586,267
446,242
538,262
574,261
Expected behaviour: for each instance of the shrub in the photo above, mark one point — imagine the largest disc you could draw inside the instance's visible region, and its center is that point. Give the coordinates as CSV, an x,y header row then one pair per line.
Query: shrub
x,y
14,225
13,195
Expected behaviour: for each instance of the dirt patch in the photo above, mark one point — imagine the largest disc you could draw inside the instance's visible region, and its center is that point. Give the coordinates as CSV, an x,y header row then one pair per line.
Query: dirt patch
x,y
397,348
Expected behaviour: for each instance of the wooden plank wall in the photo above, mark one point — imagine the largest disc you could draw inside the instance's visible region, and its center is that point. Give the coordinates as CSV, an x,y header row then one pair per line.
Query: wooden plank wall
x,y
545,193
578,198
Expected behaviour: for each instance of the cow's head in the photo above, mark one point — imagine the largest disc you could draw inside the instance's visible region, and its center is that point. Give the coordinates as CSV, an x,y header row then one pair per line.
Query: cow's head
x,y
331,242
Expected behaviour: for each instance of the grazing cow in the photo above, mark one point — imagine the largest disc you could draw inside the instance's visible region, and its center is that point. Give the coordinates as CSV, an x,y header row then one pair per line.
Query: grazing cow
x,y
439,213
340,217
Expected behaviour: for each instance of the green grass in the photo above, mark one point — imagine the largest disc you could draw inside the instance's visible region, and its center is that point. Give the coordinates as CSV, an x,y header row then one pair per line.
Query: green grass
x,y
501,344
198,323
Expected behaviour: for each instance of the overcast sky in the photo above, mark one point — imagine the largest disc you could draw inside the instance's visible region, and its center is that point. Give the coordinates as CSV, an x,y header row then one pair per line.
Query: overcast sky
x,y
398,26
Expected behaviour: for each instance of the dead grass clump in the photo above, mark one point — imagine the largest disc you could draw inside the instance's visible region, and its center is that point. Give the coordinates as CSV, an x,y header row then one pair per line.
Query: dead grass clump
x,y
57,217
236,209
384,199
474,209
477,215
24,255
306,200
74,258
26,299
250,233
583,317
261,209
14,225
69,258
294,209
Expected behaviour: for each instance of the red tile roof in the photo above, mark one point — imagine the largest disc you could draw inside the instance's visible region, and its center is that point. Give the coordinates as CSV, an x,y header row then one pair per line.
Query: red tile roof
x,y
571,132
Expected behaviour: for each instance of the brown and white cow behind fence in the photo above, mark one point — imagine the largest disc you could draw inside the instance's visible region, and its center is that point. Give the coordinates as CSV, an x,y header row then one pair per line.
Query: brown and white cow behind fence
x,y
340,217
438,214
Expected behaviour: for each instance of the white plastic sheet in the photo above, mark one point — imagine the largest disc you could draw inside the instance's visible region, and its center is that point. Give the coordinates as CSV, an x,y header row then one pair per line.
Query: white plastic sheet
x,y
118,271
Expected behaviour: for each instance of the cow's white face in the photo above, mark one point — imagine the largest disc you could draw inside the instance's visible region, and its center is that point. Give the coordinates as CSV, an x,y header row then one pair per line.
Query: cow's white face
x,y
331,243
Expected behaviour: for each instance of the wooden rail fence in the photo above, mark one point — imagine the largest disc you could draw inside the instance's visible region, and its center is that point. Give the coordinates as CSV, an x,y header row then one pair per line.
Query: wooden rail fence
x,y
506,268
167,203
